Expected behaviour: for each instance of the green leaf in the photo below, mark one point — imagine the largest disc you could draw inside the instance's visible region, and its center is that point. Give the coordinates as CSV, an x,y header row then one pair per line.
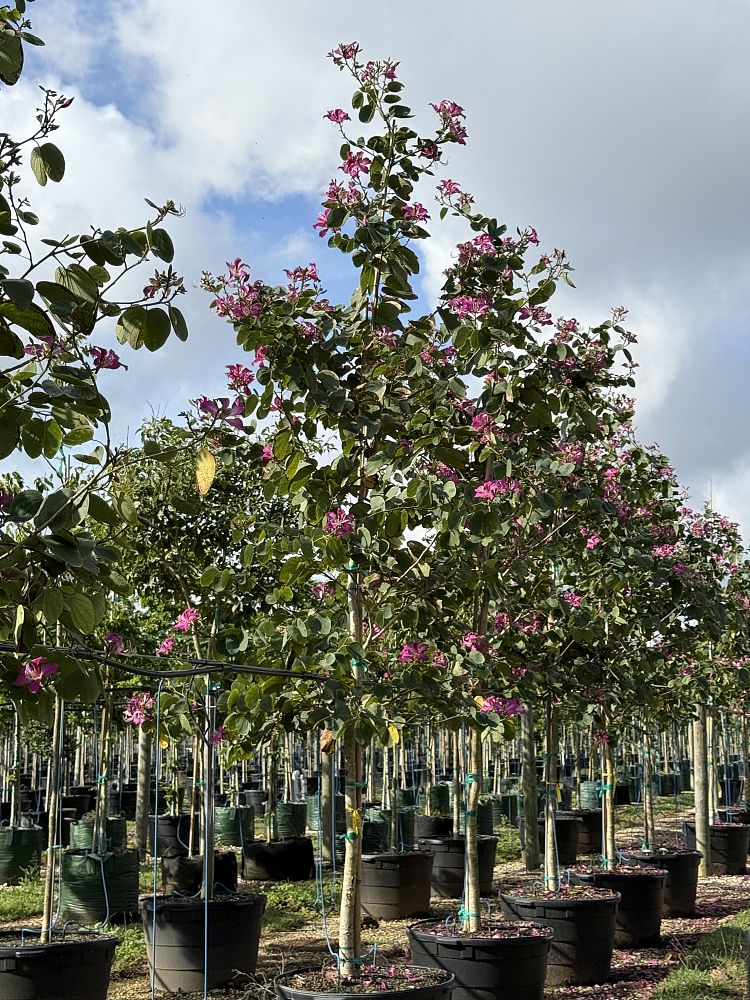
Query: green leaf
x,y
178,323
53,605
101,511
161,244
157,329
52,160
37,164
11,345
82,614
11,57
19,291
30,318
141,327
9,436
24,505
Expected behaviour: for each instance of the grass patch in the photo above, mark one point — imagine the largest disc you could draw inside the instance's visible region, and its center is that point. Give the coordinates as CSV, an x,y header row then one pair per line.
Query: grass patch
x,y
130,954
715,969
19,902
508,844
291,905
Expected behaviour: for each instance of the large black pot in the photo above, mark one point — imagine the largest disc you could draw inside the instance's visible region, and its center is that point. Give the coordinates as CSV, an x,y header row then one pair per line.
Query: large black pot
x,y
584,934
638,923
185,875
729,847
76,969
81,803
735,816
432,826
94,887
395,886
176,952
172,835
567,826
449,862
589,831
278,860
503,968
435,991
682,877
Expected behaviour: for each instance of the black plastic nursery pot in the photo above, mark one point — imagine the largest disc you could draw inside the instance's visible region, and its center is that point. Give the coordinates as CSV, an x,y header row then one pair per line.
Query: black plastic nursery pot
x,y
735,816
185,875
638,922
172,835
73,968
729,847
432,826
175,930
278,860
681,886
20,848
567,827
432,991
395,886
589,831
233,825
512,966
583,933
94,887
449,861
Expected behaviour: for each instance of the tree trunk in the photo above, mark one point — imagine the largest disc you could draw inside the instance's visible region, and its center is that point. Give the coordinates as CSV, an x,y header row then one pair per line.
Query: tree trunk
x,y
52,807
608,808
327,817
700,765
647,791
143,791
551,865
350,932
530,792
99,842
456,784
472,901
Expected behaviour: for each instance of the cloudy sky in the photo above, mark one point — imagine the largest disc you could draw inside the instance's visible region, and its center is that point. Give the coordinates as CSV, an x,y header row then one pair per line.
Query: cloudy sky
x,y
618,130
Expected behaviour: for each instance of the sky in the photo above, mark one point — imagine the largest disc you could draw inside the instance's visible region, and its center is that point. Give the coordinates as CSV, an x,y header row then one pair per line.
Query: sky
x,y
617,130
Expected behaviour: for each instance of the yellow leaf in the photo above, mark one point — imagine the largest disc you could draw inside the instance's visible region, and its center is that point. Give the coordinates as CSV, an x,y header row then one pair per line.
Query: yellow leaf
x,y
394,733
164,742
479,701
205,470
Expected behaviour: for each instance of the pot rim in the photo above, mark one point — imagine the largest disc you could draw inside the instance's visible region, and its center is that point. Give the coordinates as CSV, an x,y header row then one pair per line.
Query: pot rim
x,y
470,938
444,987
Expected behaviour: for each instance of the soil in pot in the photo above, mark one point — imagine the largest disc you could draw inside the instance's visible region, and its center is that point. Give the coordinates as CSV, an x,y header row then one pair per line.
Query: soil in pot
x,y
278,861
185,875
72,967
505,960
449,862
583,923
395,886
177,954
398,982
641,889
681,867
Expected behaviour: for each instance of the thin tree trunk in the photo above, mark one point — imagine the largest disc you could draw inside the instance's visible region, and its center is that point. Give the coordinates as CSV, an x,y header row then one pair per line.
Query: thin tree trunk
x,y
52,805
456,785
647,791
700,764
551,865
143,791
350,931
327,813
472,901
530,792
99,842
608,807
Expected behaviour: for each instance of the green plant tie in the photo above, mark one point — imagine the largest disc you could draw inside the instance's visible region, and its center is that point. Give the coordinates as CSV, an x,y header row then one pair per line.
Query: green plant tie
x,y
200,783
462,914
351,837
471,778
102,779
604,788
354,784
471,812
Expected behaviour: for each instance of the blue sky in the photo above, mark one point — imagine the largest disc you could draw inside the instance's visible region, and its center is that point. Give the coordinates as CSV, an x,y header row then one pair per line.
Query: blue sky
x,y
616,130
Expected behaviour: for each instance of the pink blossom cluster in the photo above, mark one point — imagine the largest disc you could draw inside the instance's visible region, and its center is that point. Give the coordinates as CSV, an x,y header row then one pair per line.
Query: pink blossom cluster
x,y
337,115
32,674
492,488
416,212
475,642
339,523
239,377
445,472
502,706
323,590
537,314
242,298
592,541
664,551
49,347
139,709
601,738
480,246
165,647
572,599
486,429
185,620
114,642
413,652
469,305
449,193
216,738
355,164
572,452
105,359
223,409
451,120
344,52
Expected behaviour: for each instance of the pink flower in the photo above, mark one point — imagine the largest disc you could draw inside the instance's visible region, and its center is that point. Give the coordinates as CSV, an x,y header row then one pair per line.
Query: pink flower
x,y
416,211
185,619
259,358
593,541
485,427
345,52
502,620
239,377
429,151
338,522
491,488
356,164
218,736
601,738
448,187
114,642
474,642
531,236
445,471
323,590
664,551
267,454
33,673
469,305
105,359
337,115
572,599
439,659
50,347
224,410
386,336
321,222
413,652
138,709
502,706
166,647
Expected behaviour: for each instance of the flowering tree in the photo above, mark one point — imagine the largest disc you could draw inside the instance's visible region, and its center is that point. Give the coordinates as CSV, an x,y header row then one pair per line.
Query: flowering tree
x,y
56,560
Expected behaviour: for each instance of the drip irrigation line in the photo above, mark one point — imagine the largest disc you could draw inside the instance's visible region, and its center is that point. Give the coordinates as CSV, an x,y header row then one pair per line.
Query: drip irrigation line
x,y
198,665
